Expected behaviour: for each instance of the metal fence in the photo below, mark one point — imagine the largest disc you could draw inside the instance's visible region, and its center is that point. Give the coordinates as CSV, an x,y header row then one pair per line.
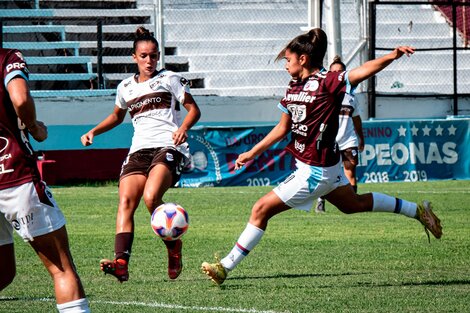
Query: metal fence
x,y
227,48
438,30
224,48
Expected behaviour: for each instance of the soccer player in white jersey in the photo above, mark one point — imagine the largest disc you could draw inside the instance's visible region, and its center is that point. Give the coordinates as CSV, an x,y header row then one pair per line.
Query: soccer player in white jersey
x,y
309,111
350,137
159,149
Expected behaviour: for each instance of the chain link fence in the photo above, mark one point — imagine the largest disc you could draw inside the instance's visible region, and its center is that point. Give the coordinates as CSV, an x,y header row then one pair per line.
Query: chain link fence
x,y
438,30
225,48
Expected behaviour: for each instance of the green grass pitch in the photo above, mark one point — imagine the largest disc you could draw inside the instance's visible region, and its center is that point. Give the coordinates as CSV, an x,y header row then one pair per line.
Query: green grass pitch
x,y
370,262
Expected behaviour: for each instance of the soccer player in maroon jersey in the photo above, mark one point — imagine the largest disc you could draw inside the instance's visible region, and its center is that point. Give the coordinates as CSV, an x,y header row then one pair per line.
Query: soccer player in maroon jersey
x,y
26,204
158,151
310,110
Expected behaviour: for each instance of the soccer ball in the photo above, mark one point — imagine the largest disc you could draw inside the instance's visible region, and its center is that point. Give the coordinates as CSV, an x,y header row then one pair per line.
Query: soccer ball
x,y
169,221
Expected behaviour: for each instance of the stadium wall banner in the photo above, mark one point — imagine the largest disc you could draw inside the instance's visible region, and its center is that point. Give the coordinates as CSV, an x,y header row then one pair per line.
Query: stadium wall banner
x,y
395,150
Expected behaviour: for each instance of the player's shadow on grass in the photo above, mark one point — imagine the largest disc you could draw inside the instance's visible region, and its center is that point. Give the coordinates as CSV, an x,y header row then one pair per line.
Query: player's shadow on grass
x,y
233,285
297,275
421,283
44,299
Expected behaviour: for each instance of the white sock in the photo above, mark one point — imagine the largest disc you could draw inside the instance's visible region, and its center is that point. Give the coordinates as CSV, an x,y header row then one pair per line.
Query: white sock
x,y
248,239
76,306
386,203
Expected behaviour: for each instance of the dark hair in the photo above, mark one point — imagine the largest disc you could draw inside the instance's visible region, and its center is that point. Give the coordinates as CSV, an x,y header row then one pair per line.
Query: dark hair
x,y
313,44
143,34
337,60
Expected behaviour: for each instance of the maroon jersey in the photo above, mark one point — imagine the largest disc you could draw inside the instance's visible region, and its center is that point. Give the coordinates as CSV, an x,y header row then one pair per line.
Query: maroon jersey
x,y
314,105
17,161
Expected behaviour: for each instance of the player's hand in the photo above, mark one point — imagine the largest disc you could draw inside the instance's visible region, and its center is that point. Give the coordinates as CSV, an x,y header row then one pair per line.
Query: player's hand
x,y
179,137
38,131
242,159
87,139
401,50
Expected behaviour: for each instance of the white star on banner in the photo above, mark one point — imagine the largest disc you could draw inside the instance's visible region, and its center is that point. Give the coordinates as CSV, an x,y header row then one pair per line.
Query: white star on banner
x,y
426,130
451,130
401,131
439,130
414,130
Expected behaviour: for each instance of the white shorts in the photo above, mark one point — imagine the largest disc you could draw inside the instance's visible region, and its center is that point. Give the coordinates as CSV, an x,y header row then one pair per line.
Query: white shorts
x,y
307,183
30,209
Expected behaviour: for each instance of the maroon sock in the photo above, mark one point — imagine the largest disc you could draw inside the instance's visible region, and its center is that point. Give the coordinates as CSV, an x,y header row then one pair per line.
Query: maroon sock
x,y
355,188
123,245
171,244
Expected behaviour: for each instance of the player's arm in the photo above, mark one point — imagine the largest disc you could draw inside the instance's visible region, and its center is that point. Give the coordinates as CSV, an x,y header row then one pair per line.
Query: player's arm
x,y
357,121
372,67
180,135
279,131
108,123
25,109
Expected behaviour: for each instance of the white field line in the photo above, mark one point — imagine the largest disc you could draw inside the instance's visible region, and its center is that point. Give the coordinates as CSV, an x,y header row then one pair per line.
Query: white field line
x,y
159,305
184,307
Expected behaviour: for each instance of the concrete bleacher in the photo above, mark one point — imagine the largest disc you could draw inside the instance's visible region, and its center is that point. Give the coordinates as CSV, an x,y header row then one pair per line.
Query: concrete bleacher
x,y
224,48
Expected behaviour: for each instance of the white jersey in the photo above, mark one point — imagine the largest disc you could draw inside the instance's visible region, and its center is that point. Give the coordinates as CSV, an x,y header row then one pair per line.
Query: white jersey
x,y
347,137
154,107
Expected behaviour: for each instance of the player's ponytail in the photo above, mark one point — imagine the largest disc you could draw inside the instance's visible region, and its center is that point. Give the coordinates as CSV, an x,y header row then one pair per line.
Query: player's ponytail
x,y
143,34
313,44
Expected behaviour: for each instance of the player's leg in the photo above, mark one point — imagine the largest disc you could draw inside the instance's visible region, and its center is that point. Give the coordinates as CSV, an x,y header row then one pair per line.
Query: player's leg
x,y
54,252
350,161
159,181
347,201
7,265
265,208
7,253
130,192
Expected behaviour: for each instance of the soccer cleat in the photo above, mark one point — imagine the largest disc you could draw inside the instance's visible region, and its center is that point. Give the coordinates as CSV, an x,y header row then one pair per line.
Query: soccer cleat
x,y
117,268
215,271
431,222
320,208
175,260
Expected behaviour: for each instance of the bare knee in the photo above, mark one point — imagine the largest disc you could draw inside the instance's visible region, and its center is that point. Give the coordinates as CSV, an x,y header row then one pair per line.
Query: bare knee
x,y
260,214
152,201
348,202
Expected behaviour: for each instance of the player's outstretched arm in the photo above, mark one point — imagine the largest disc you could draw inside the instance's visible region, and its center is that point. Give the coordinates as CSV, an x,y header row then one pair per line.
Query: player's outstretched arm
x,y
108,123
277,133
372,67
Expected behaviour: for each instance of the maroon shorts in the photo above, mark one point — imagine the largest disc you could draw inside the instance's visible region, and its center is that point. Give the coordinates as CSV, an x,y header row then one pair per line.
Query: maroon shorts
x,y
142,162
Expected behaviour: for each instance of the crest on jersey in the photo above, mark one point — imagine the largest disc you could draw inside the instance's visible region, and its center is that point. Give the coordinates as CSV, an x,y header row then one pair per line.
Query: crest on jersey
x,y
20,55
298,112
311,85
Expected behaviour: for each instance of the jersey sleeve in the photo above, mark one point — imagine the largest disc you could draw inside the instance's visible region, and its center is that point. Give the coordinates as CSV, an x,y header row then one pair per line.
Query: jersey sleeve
x,y
179,86
15,65
120,102
337,83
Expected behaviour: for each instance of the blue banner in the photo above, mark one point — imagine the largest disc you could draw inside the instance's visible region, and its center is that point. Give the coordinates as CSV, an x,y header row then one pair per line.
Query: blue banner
x,y
215,150
414,150
397,150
